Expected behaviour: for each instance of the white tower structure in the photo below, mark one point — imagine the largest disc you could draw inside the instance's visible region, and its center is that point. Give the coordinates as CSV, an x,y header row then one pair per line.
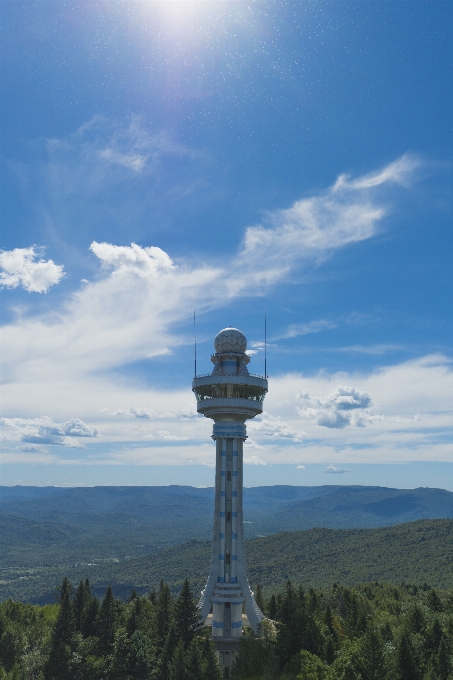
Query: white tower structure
x,y
230,395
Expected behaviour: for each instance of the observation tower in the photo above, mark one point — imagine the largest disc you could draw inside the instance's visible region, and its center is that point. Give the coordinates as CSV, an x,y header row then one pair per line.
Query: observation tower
x,y
229,395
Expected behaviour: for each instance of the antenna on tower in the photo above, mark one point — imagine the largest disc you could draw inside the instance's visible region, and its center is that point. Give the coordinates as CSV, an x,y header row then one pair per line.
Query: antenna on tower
x,y
265,346
195,341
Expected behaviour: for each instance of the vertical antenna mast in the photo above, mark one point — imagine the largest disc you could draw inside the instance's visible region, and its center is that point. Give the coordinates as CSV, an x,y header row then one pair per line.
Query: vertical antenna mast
x,y
195,342
265,346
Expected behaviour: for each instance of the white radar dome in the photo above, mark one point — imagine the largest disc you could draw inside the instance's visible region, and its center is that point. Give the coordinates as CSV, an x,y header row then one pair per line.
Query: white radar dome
x,y
230,340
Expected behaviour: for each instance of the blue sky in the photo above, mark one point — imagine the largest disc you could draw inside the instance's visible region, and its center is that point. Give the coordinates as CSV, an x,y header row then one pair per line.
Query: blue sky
x,y
236,158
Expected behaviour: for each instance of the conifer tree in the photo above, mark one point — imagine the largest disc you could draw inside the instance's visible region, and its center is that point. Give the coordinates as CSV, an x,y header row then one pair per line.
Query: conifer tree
x,y
81,600
259,597
133,620
164,611
89,623
416,619
58,664
302,598
187,615
329,651
177,668
433,637
443,662
167,652
106,621
194,664
433,601
212,668
273,608
328,619
406,663
373,662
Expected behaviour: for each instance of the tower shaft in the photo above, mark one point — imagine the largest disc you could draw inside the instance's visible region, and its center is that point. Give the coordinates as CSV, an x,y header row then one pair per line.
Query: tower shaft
x,y
230,396
227,590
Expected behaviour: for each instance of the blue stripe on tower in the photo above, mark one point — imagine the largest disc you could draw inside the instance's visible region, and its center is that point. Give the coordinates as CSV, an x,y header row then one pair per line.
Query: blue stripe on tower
x,y
235,624
219,624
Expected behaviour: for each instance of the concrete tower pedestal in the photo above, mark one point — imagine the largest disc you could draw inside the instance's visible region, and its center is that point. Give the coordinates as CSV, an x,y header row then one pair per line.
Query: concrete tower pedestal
x,y
230,395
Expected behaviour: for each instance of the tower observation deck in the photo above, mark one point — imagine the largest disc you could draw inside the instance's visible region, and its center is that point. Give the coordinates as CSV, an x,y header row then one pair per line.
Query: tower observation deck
x,y
230,395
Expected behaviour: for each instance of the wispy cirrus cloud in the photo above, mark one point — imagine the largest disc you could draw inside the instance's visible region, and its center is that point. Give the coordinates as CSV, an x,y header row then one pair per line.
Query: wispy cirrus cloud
x,y
316,326
139,295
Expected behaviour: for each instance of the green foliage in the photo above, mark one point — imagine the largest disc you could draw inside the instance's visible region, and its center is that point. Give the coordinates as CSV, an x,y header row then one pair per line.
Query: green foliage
x,y
416,552
373,631
311,667
186,615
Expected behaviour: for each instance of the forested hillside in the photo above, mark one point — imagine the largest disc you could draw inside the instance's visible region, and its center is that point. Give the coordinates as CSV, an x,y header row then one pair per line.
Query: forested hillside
x,y
416,552
51,526
373,631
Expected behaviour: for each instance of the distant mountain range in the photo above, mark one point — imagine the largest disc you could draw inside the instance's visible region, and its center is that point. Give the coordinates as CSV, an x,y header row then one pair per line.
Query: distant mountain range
x,y
50,526
416,553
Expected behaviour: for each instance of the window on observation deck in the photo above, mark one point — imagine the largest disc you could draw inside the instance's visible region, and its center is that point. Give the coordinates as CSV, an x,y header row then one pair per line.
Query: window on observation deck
x,y
230,392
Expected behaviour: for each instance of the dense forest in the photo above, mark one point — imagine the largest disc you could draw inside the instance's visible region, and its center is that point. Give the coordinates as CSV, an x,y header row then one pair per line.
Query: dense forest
x,y
372,631
415,552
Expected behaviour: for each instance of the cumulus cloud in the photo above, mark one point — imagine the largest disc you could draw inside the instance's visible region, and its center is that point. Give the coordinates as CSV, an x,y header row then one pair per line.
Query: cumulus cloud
x,y
144,262
254,460
43,430
342,407
334,470
130,310
300,467
21,267
274,426
141,413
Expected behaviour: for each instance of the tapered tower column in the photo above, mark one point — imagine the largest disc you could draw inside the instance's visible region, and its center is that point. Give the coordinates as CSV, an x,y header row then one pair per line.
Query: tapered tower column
x,y
230,395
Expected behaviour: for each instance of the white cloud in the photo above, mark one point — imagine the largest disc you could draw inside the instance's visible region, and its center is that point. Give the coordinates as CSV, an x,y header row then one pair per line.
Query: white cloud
x,y
254,460
317,326
300,467
43,430
130,310
334,470
399,171
20,267
133,259
344,406
275,427
140,413
169,437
